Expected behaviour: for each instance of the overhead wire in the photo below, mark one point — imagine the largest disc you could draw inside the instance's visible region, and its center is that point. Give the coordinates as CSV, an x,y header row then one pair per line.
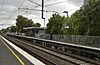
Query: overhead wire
x,y
35,9
18,5
13,11
44,2
47,4
21,5
44,6
34,2
55,3
27,6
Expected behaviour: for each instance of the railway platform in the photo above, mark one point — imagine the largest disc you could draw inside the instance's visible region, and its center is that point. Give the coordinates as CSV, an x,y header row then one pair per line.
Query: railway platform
x,y
12,55
7,56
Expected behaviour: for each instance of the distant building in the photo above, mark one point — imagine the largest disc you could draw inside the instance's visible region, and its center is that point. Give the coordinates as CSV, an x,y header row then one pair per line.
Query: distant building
x,y
34,31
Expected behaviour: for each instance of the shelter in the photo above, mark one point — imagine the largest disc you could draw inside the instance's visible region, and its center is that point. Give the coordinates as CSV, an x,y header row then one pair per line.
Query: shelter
x,y
34,31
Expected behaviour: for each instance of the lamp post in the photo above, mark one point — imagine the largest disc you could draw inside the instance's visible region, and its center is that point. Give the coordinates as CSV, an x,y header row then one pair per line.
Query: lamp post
x,y
67,20
66,13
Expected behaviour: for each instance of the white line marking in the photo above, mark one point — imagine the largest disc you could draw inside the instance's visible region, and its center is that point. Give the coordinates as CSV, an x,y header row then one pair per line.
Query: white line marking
x,y
25,54
22,63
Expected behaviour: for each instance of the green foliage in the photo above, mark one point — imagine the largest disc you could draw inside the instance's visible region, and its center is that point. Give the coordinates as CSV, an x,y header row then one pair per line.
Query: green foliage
x,y
86,21
3,31
13,29
37,25
56,24
23,22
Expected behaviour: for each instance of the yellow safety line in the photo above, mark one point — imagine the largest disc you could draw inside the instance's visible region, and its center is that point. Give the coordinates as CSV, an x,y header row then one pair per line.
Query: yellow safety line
x,y
22,63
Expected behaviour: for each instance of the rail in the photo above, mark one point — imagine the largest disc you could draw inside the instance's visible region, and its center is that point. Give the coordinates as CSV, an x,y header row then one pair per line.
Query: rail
x,y
89,54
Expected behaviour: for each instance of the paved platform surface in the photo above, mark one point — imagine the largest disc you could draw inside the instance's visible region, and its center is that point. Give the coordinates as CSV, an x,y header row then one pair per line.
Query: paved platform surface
x,y
9,56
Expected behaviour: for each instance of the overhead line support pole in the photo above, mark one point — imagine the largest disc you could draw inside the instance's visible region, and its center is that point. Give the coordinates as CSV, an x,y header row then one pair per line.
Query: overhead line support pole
x,y
43,11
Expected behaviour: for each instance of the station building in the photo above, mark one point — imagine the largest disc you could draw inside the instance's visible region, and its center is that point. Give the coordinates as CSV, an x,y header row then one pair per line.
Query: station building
x,y
34,31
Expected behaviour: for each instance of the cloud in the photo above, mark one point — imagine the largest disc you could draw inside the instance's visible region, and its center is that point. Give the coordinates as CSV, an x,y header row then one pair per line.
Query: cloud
x,y
9,9
76,2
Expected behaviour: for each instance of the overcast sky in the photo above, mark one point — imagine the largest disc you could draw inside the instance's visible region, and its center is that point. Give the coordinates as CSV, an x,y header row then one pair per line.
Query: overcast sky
x,y
9,10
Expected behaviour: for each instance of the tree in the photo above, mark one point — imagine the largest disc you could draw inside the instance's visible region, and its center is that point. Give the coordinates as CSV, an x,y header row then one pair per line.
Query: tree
x,y
91,13
3,31
95,18
13,29
56,24
23,22
86,21
37,25
78,23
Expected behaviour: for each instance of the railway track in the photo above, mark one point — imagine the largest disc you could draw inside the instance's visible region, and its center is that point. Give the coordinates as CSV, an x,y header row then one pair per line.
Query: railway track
x,y
47,56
